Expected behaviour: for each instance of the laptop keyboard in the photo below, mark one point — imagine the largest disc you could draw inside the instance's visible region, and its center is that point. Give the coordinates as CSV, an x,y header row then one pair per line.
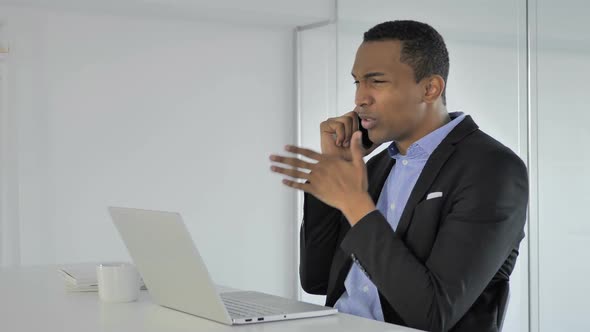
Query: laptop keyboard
x,y
243,309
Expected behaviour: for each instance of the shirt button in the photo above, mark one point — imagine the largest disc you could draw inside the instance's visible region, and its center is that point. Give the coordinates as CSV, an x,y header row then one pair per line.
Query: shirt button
x,y
366,289
392,206
405,162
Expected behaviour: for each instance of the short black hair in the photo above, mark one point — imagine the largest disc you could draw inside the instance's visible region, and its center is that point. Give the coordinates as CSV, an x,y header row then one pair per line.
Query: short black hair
x,y
423,48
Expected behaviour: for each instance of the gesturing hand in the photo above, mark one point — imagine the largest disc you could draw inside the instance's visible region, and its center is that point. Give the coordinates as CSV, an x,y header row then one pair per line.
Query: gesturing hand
x,y
337,182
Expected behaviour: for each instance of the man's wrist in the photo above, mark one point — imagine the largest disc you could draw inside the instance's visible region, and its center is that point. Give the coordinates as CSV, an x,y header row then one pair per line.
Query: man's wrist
x,y
357,206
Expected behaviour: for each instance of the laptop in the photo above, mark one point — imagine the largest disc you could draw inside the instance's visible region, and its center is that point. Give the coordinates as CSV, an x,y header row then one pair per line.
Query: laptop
x,y
177,278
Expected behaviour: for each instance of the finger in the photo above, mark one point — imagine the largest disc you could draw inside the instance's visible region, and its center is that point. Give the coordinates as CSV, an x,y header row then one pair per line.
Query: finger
x,y
356,149
331,126
294,173
295,162
305,186
304,152
355,122
348,129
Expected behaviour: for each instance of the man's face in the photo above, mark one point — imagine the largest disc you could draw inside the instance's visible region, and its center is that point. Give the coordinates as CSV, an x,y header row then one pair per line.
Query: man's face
x,y
387,96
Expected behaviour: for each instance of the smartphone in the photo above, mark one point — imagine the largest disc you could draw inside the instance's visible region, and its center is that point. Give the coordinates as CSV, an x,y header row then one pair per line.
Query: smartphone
x,y
367,143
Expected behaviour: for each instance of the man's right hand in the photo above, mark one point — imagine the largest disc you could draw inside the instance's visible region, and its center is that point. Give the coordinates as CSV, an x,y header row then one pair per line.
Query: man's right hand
x,y
336,134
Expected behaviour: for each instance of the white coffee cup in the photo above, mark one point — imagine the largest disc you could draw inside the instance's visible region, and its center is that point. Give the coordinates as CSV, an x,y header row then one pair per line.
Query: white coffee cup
x,y
117,282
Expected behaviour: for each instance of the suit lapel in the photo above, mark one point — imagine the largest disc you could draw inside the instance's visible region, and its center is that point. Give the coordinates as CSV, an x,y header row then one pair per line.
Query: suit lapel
x,y
429,173
431,170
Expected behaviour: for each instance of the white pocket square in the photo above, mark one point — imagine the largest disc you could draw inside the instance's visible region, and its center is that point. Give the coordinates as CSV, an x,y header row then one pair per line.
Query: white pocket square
x,y
434,195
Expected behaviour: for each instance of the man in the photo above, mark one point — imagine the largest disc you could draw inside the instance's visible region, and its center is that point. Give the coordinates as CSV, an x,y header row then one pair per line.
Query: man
x,y
426,234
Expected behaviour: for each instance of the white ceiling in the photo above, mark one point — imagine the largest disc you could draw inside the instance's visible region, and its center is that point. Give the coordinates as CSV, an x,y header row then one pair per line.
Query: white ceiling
x,y
288,13
558,24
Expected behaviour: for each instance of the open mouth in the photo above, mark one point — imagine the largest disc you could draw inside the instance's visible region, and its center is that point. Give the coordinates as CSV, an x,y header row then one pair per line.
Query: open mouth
x,y
368,123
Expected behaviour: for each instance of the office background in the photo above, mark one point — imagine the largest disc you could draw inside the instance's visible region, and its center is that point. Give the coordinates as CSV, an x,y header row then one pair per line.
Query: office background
x,y
175,105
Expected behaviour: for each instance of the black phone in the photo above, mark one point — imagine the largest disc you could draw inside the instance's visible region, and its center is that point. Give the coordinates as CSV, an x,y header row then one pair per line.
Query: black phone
x,y
367,143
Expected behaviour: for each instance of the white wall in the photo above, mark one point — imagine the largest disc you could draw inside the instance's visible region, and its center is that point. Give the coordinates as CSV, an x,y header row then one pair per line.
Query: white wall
x,y
112,110
563,51
7,152
564,179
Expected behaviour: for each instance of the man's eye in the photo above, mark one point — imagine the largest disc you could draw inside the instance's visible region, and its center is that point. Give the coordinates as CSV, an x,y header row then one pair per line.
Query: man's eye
x,y
356,82
377,81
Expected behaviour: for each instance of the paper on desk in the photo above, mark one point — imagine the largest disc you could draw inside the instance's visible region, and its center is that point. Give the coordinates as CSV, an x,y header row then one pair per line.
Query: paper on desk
x,y
81,277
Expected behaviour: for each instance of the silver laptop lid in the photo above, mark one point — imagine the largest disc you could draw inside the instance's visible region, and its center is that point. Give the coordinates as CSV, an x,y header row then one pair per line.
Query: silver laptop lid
x,y
167,259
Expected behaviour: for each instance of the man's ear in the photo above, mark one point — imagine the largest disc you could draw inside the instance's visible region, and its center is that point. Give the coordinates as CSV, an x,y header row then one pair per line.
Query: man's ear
x,y
433,88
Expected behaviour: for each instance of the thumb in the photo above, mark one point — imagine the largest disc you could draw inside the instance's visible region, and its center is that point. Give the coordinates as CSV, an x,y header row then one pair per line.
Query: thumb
x,y
356,148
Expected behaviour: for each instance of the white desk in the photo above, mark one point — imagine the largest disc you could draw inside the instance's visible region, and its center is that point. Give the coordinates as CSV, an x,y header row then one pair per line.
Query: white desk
x,y
34,299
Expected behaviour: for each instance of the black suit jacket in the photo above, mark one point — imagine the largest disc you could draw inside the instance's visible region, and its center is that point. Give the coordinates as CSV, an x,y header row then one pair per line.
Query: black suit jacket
x,y
447,265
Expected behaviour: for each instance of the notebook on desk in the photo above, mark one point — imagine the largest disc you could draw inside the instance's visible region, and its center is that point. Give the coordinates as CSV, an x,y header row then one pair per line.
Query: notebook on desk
x,y
82,277
79,277
176,276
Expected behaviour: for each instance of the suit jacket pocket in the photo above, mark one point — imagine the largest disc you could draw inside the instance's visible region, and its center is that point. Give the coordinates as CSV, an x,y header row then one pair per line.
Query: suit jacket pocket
x,y
424,227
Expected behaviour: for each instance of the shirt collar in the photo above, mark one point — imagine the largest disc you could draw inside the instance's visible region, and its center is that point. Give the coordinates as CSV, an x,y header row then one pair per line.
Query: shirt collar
x,y
430,142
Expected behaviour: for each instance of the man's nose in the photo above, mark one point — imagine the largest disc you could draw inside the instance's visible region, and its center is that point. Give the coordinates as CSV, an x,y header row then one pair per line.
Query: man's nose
x,y
362,97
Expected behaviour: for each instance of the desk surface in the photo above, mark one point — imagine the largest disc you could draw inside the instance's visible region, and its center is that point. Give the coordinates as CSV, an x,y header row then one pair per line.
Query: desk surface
x,y
34,299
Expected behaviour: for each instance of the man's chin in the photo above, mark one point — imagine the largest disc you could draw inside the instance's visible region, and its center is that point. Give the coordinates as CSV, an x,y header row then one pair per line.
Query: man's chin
x,y
376,138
